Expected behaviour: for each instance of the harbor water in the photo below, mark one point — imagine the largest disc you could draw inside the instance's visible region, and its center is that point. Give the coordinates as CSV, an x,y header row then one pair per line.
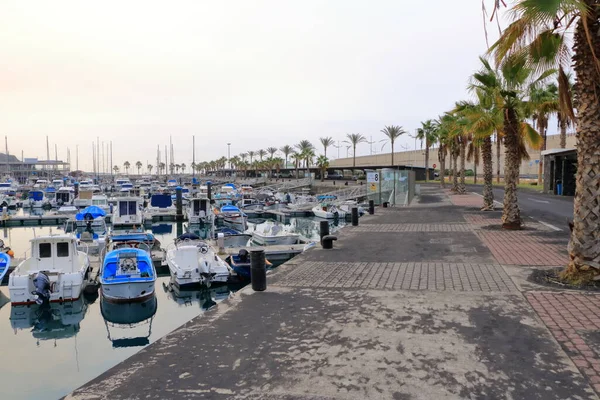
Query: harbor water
x,y
47,352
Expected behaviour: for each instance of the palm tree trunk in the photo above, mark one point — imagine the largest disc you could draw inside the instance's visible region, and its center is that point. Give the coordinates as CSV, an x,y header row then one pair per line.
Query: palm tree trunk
x,y
498,148
584,246
540,164
354,156
511,215
442,158
563,133
474,173
488,174
461,186
392,144
454,172
426,162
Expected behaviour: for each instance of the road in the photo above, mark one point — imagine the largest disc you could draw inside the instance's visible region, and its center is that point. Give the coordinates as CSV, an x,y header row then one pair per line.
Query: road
x,y
554,210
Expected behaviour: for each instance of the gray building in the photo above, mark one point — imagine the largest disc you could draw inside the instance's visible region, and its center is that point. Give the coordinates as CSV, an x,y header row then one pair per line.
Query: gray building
x,y
560,167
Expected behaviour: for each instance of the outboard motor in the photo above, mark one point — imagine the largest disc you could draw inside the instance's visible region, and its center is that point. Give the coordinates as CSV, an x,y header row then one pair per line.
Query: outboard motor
x,y
42,288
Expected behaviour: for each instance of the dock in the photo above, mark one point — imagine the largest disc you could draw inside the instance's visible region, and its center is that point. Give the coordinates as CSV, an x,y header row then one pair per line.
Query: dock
x,y
276,254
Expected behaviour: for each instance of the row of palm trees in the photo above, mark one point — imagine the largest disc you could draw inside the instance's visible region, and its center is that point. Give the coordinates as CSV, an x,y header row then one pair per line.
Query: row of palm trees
x,y
523,80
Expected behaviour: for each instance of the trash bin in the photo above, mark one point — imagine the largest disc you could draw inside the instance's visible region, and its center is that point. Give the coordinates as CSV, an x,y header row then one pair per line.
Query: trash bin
x,y
559,188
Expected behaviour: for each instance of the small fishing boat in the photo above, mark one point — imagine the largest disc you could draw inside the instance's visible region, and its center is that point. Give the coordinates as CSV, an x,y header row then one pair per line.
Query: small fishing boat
x,y
234,217
55,271
127,274
64,197
191,262
240,263
328,211
36,198
272,234
128,212
199,211
160,205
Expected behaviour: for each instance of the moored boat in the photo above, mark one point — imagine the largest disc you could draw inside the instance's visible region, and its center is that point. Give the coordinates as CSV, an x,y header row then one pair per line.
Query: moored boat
x,y
328,211
272,234
127,274
240,263
234,217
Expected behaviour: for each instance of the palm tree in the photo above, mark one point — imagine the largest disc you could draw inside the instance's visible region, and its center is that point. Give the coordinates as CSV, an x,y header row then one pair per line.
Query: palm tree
x,y
543,102
251,155
326,142
116,169
286,150
427,132
323,164
297,157
564,116
542,31
149,167
392,133
354,139
508,87
261,153
303,147
308,156
272,151
126,165
443,139
161,167
138,165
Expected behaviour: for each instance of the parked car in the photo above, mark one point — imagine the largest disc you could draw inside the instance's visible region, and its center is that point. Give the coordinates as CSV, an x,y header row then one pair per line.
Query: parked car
x,y
335,176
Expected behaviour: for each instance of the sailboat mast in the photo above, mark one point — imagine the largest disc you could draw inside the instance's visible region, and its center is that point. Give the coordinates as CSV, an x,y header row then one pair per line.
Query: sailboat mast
x,y
7,164
193,156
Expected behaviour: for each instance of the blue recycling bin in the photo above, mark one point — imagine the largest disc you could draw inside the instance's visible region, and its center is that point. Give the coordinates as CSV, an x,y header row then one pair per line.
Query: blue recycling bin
x,y
559,188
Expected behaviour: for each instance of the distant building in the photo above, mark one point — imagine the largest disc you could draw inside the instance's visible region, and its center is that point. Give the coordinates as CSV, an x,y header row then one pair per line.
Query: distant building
x,y
31,168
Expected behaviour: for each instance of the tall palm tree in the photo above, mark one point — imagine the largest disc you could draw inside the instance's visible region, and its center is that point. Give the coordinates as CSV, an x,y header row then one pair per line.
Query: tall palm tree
x,y
297,157
183,167
303,146
542,31
138,165
509,86
126,165
161,167
251,155
354,139
543,102
272,151
149,167
261,153
392,133
308,156
326,142
443,139
116,169
286,150
323,164
428,133
564,117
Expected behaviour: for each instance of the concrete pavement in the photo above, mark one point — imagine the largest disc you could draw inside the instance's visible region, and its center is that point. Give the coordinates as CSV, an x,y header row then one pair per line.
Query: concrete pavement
x,y
411,304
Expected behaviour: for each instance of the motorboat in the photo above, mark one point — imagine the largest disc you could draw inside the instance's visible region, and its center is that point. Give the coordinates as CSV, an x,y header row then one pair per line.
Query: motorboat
x,y
328,211
40,184
272,234
240,263
100,201
64,196
4,265
57,183
135,238
127,274
160,205
36,198
55,271
89,227
348,205
191,262
128,212
234,217
84,197
127,318
199,211
8,195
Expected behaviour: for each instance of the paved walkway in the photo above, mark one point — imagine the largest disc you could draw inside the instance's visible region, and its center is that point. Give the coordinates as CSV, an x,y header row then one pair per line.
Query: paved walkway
x,y
424,302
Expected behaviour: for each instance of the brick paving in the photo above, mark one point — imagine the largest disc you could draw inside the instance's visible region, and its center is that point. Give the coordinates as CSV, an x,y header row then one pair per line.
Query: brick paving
x,y
574,320
467,200
458,227
523,248
400,276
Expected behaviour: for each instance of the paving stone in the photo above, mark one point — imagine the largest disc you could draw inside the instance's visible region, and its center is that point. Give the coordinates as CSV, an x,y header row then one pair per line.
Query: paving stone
x,y
399,276
458,227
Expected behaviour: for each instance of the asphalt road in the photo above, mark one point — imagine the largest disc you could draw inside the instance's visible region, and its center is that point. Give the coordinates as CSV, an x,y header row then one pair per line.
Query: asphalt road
x,y
554,210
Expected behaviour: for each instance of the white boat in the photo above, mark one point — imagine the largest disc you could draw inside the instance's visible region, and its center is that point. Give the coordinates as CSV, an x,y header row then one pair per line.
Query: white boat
x,y
127,274
64,197
160,205
101,201
84,198
234,217
8,195
57,183
191,262
128,212
199,211
37,198
55,271
328,211
348,205
272,234
40,184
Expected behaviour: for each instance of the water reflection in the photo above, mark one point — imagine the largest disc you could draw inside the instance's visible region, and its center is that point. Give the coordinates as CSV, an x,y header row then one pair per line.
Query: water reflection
x,y
205,298
49,321
129,324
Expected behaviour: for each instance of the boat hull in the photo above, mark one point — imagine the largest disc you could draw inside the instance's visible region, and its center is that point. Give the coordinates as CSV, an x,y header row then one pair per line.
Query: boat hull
x,y
127,292
66,287
266,240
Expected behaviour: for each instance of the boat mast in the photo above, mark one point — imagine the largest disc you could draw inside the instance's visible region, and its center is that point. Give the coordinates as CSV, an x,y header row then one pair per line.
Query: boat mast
x,y
111,162
7,164
193,156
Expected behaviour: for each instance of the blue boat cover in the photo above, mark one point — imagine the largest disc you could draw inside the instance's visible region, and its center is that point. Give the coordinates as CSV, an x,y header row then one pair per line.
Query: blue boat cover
x,y
111,265
326,197
4,264
36,195
94,211
50,189
209,182
172,181
161,200
162,229
231,185
188,235
230,208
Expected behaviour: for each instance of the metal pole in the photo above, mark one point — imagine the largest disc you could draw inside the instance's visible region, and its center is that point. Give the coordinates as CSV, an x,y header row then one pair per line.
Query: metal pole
x,y
111,161
228,154
193,156
7,164
77,157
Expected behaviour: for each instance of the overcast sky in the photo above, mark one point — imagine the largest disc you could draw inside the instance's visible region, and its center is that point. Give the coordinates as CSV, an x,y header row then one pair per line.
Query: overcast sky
x,y
253,73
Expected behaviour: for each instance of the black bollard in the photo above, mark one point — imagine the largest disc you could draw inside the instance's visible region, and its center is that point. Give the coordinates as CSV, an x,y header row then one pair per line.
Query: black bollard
x,y
76,189
258,270
371,207
209,192
354,216
178,203
323,229
385,204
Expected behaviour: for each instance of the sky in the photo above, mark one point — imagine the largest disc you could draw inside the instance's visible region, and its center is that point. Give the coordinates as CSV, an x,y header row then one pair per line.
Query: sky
x,y
251,73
